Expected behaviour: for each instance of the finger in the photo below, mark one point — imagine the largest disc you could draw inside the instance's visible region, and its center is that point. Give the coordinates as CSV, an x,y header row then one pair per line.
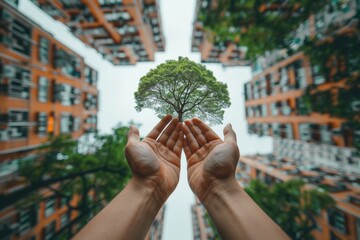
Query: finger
x,y
168,131
209,134
229,134
133,135
179,144
174,136
155,132
200,138
187,149
193,144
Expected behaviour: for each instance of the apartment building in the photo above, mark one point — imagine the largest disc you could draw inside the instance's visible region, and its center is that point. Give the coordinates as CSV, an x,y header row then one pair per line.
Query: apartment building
x,y
341,222
46,89
202,229
212,51
156,228
307,99
122,31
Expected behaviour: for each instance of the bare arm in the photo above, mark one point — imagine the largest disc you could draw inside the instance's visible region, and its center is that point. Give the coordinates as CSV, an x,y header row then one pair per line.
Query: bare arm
x,y
211,175
155,164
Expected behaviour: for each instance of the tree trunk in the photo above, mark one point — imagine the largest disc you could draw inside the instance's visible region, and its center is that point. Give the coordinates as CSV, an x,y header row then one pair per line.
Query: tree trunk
x,y
180,116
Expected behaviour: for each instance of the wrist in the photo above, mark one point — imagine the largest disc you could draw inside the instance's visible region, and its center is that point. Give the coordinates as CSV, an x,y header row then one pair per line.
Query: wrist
x,y
148,190
220,189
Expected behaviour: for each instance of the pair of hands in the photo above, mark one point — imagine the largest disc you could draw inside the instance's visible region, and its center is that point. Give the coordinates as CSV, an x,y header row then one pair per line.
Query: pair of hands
x,y
155,161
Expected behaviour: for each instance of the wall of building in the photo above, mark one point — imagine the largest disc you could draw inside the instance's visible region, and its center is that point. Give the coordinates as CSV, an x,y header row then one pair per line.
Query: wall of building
x,y
46,89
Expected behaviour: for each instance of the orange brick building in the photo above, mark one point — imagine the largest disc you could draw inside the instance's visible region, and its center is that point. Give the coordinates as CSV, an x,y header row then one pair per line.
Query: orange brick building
x,y
124,32
342,222
277,98
46,89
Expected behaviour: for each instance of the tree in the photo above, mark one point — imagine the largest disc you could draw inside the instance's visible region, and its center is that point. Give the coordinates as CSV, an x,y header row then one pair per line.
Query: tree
x,y
183,88
95,177
290,205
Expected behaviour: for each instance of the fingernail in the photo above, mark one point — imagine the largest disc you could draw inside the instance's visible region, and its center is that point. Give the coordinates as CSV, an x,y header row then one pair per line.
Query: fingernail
x,y
229,124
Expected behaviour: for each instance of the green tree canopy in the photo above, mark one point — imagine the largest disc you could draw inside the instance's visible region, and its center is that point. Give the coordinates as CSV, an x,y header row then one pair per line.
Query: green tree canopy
x,y
185,89
290,205
95,176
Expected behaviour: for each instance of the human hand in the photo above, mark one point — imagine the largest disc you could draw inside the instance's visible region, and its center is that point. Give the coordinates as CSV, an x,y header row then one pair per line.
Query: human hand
x,y
211,161
155,161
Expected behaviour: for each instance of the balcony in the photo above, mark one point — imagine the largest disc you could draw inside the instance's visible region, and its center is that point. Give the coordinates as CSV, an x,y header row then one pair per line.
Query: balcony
x,y
90,101
66,94
68,63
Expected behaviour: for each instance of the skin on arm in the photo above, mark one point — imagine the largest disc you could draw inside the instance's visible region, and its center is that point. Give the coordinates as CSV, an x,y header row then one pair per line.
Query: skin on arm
x,y
211,175
155,164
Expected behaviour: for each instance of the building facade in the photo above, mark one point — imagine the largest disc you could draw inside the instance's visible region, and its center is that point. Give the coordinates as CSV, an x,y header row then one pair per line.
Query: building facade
x,y
156,228
341,222
124,32
211,50
307,96
46,89
202,228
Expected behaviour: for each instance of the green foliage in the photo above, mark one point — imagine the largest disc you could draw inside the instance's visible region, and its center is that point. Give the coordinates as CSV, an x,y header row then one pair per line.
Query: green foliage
x,y
337,102
96,176
245,22
290,205
341,53
185,89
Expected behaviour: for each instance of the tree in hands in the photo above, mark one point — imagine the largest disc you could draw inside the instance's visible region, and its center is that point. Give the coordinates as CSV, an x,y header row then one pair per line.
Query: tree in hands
x,y
183,88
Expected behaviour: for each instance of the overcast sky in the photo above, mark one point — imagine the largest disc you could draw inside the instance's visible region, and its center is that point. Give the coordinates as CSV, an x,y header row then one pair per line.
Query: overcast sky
x,y
118,84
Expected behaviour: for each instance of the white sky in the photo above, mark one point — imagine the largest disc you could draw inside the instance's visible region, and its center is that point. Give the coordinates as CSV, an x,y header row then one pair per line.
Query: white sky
x,y
118,84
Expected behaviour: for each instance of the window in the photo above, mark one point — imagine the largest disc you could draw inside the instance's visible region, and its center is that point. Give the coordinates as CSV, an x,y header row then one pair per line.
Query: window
x,y
17,122
44,50
50,206
64,219
42,122
318,77
76,124
65,124
305,132
338,220
284,79
68,63
15,82
91,74
49,231
91,101
66,94
62,93
43,87
263,110
19,37
300,75
27,219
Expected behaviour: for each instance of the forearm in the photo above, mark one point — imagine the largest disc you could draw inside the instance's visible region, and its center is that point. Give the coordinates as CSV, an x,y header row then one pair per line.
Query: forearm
x,y
237,216
128,216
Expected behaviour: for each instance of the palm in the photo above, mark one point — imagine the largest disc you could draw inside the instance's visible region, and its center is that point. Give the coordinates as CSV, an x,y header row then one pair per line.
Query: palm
x,y
156,159
156,162
209,158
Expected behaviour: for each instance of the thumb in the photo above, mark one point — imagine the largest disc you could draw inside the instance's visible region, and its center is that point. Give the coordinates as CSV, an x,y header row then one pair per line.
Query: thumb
x,y
229,134
133,135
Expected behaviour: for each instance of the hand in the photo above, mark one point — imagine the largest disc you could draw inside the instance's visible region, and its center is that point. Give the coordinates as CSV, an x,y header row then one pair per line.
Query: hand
x,y
211,161
155,161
